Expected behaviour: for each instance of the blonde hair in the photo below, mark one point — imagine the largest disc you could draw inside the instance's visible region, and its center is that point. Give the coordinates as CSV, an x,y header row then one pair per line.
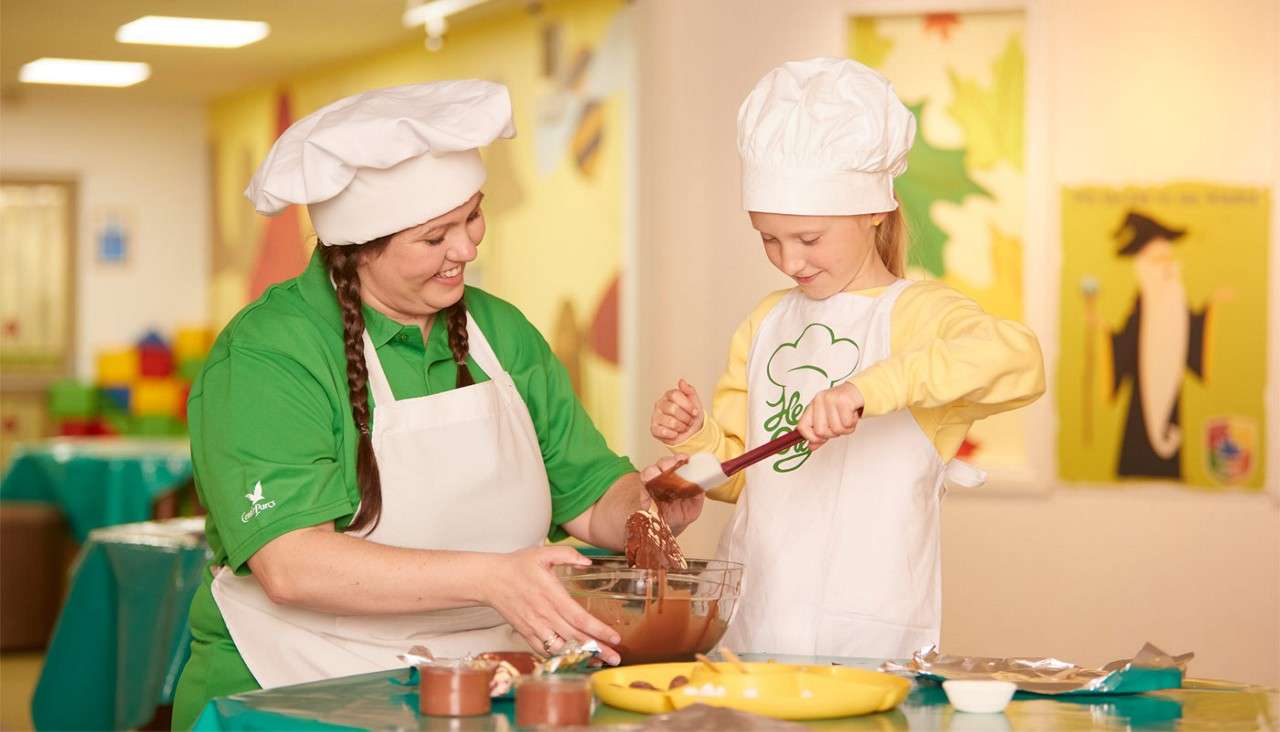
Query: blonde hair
x,y
892,238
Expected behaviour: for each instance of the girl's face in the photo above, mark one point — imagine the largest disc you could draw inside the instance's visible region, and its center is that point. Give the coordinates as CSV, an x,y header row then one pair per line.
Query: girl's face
x,y
822,254
419,272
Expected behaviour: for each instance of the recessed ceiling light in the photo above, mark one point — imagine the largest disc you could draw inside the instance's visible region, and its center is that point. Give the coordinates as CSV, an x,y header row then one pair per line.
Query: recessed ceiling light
x,y
161,30
83,72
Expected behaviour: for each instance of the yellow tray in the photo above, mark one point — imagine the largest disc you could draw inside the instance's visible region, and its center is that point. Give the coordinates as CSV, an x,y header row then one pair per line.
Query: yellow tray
x,y
775,690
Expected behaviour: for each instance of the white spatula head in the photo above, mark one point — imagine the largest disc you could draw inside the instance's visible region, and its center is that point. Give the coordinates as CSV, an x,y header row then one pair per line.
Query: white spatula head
x,y
704,470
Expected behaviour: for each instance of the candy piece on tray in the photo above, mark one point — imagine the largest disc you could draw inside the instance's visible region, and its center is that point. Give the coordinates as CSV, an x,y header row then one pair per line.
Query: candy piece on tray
x,y
523,662
650,543
573,658
417,656
504,678
642,685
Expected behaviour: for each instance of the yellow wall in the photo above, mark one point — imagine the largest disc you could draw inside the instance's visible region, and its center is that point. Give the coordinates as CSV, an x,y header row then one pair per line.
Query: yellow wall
x,y
553,236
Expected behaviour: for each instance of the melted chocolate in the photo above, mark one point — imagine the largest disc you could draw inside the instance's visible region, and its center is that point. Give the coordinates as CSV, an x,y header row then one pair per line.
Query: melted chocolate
x,y
650,543
656,631
555,701
667,486
454,690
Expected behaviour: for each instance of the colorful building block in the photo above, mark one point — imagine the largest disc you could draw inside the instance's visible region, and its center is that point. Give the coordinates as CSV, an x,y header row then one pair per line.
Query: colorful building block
x,y
72,399
152,338
115,398
156,397
155,362
157,425
117,368
118,423
192,343
83,428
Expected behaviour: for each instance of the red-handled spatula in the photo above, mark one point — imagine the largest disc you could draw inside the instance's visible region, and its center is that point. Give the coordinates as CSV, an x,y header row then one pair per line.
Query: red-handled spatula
x,y
702,471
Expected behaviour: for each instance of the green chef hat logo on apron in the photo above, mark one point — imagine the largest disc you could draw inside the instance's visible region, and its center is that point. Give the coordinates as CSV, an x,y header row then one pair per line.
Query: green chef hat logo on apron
x,y
815,361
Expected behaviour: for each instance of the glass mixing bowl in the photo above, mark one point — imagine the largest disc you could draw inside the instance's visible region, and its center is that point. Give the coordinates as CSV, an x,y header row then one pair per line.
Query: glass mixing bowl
x,y
662,615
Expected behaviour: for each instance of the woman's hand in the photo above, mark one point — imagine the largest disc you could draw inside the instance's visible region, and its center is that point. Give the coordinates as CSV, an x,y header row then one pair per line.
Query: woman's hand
x,y
678,513
677,415
832,413
523,588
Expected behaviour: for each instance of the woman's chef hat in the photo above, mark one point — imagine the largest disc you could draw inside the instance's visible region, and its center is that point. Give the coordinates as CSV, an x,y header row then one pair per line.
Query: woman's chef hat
x,y
822,137
385,160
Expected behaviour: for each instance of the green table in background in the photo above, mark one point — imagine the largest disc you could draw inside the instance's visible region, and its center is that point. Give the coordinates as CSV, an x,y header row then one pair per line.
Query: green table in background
x,y
377,701
98,481
123,636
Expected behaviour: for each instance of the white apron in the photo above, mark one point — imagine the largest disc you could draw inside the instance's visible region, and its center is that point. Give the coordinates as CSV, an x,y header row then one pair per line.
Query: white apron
x,y
461,470
840,545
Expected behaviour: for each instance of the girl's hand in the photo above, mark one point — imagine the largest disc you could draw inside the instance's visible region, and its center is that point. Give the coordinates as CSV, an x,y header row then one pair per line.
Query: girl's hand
x,y
523,588
832,413
677,415
678,513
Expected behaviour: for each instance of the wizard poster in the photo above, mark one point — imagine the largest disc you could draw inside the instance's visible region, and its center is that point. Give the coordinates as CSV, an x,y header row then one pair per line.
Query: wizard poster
x,y
1163,328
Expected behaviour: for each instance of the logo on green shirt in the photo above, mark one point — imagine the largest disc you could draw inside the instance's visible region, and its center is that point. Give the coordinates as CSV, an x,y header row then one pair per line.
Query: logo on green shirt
x,y
258,506
815,361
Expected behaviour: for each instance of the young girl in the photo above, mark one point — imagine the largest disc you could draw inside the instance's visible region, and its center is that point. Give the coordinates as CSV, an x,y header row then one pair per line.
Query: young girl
x,y
841,544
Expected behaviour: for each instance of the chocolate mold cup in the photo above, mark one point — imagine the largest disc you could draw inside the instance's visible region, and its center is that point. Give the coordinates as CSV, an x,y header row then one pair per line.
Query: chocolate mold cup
x,y
661,615
455,688
554,700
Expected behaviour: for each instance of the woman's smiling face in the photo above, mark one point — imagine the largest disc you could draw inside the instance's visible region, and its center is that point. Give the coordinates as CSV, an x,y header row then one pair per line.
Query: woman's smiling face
x,y
420,270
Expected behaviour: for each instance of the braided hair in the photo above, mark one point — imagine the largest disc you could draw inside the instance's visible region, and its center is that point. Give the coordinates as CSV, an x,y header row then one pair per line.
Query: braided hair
x,y
341,262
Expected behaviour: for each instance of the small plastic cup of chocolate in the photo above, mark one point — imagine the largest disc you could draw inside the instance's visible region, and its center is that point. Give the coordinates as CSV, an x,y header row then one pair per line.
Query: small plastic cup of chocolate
x,y
553,700
455,688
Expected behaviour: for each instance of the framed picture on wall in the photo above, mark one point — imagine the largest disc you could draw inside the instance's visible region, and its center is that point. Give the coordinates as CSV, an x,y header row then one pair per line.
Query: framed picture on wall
x,y
975,193
37,264
1164,375
37,300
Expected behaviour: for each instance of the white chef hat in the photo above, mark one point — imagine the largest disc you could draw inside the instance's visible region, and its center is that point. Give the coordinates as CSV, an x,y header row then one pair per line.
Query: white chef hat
x,y
822,137
385,160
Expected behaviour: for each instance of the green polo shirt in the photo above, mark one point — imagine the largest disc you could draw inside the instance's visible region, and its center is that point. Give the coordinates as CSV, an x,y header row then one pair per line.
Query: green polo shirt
x,y
271,409
274,443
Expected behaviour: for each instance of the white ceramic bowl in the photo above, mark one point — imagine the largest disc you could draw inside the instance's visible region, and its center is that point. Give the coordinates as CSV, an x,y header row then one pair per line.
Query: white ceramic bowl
x,y
979,696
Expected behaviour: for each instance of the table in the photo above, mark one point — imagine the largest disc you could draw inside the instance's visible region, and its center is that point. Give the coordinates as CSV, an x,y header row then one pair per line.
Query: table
x,y
375,701
98,482
123,636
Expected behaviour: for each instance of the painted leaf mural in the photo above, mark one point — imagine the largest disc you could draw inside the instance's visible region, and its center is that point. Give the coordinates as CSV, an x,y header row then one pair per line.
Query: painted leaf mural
x,y
992,117
933,174
963,74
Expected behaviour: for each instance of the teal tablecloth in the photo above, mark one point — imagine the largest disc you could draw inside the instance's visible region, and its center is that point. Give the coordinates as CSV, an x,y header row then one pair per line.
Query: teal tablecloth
x,y
123,635
97,482
372,701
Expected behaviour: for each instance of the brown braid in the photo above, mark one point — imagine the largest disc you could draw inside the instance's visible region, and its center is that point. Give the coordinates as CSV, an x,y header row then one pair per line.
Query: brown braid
x,y
456,320
341,263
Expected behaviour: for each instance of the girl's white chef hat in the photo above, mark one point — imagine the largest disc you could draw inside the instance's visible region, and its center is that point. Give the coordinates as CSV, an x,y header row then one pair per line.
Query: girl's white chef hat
x,y
385,160
822,137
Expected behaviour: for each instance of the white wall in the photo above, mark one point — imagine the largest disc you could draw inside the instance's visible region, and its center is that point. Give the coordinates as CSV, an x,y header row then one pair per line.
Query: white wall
x,y
149,159
1133,92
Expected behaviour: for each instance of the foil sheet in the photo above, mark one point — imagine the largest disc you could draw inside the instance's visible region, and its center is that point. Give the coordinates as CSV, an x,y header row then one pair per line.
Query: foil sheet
x,y
1149,670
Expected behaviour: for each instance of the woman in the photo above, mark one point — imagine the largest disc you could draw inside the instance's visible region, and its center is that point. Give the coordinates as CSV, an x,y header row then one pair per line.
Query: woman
x,y
383,451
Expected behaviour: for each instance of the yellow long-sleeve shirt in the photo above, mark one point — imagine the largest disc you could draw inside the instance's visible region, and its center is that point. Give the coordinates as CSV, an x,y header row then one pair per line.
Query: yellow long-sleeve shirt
x,y
950,363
